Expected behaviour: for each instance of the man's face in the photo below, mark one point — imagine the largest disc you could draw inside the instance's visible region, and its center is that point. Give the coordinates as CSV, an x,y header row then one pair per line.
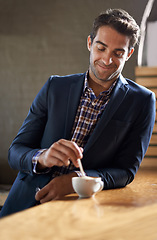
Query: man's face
x,y
108,54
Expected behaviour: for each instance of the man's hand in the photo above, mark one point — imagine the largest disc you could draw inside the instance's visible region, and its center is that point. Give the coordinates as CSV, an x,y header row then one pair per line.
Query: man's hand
x,y
59,154
56,188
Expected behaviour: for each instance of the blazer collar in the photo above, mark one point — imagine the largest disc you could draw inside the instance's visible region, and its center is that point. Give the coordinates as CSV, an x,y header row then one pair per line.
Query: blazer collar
x,y
75,91
117,97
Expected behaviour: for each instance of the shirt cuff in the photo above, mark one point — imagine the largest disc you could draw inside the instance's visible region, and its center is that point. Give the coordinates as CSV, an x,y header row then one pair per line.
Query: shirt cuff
x,y
35,162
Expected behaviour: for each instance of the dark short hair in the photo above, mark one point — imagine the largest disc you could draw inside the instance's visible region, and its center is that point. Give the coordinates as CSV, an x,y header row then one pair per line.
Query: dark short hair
x,y
119,20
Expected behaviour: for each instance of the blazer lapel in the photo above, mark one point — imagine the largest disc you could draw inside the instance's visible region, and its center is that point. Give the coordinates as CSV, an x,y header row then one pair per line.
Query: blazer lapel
x,y
75,92
117,96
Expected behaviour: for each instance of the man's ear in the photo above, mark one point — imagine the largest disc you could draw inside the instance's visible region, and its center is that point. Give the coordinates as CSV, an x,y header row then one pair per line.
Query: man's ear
x,y
89,42
130,53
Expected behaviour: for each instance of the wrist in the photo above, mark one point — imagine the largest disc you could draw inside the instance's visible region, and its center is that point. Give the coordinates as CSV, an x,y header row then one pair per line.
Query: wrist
x,y
37,165
41,160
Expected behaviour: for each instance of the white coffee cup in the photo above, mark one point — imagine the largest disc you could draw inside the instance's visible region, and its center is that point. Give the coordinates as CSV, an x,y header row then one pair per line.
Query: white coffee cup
x,y
87,186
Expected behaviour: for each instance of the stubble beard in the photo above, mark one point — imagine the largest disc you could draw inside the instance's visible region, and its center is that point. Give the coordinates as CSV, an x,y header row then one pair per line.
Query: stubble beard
x,y
106,78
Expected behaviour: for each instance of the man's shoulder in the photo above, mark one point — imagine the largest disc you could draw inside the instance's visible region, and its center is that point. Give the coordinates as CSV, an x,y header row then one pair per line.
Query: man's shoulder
x,y
71,77
137,88
57,83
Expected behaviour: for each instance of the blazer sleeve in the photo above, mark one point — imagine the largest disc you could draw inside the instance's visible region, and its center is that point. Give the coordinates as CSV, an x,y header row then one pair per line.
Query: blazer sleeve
x,y
28,139
131,152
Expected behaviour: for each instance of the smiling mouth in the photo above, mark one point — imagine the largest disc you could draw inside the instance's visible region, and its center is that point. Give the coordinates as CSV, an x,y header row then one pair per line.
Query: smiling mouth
x,y
104,66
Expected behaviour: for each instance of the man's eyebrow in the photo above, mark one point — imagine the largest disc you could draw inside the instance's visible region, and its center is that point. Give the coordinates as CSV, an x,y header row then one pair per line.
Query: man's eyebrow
x,y
117,49
101,43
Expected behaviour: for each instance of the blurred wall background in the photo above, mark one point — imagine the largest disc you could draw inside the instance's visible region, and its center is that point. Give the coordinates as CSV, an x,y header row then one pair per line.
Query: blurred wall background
x,y
39,38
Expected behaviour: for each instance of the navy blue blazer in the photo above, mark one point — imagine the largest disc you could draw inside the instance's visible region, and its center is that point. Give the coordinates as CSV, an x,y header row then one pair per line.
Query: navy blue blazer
x,y
114,151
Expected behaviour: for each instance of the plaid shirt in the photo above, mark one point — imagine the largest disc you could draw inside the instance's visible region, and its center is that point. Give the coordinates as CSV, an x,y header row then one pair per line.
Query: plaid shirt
x,y
88,114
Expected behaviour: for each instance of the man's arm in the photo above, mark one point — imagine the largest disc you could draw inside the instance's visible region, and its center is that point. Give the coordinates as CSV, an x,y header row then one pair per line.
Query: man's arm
x,y
28,140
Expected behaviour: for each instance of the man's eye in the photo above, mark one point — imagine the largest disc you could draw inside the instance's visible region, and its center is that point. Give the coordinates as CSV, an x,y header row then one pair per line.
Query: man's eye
x,y
101,49
119,54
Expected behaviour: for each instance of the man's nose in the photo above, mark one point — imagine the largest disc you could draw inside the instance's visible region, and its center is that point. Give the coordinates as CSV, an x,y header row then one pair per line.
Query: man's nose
x,y
107,59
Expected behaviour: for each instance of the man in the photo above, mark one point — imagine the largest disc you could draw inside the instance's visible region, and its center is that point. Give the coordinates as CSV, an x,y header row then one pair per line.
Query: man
x,y
99,117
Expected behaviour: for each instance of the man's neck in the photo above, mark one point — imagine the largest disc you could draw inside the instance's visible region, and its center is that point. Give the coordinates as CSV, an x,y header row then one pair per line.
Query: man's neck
x,y
97,87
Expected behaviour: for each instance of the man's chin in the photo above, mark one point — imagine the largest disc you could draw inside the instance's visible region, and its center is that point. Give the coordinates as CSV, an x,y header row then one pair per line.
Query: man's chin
x,y
107,78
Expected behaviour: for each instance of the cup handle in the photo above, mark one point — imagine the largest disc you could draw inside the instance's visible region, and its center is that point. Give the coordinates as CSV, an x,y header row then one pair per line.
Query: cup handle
x,y
101,185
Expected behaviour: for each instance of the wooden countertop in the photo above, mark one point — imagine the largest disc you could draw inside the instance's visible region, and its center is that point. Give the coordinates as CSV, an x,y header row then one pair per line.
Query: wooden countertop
x,y
127,213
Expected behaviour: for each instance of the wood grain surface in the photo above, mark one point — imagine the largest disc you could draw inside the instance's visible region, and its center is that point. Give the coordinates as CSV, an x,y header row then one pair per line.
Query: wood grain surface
x,y
127,213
